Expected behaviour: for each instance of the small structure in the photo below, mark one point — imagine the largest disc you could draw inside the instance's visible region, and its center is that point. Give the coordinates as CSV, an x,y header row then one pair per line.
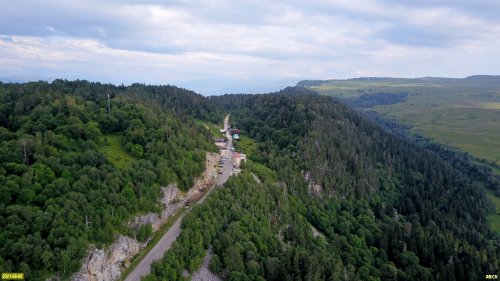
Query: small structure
x,y
221,145
223,151
222,131
238,158
236,137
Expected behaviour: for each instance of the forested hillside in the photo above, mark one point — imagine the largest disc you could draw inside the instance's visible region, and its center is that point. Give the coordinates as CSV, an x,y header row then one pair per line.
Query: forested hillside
x,y
75,168
386,209
461,113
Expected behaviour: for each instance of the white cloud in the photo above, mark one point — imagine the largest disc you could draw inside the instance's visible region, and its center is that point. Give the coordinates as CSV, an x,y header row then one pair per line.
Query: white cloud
x,y
101,31
196,42
50,28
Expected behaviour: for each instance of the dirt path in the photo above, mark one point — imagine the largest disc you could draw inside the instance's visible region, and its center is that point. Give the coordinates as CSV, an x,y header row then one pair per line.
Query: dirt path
x,y
316,232
144,267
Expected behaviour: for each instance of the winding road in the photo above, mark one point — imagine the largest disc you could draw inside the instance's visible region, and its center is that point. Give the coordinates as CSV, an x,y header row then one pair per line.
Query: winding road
x,y
144,267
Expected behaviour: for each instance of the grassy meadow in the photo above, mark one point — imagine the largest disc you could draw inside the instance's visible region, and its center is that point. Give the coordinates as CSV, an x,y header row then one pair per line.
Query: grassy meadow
x,y
246,145
114,152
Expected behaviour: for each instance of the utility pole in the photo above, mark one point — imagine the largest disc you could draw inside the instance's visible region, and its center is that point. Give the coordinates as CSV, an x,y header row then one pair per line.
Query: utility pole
x,y
109,107
87,221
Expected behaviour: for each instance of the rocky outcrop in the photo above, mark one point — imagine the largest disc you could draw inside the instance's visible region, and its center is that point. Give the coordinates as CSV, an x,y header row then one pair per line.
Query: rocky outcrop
x,y
99,266
314,188
172,200
149,218
204,273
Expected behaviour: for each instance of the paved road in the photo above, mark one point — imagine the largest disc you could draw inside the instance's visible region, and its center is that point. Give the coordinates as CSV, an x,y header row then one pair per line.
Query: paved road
x,y
227,168
144,267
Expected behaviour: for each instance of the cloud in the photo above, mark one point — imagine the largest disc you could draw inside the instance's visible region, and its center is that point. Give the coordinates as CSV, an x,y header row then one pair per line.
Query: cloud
x,y
246,44
89,59
101,31
51,29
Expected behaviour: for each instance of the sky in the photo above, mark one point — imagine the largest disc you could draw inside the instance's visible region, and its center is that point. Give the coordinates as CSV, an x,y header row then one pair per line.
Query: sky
x,y
224,46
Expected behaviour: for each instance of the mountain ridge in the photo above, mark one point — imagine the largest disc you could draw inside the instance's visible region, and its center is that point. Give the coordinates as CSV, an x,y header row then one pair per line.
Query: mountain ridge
x,y
475,78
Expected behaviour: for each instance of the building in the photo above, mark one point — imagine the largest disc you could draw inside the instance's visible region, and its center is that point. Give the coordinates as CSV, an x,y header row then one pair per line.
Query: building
x,y
238,158
236,137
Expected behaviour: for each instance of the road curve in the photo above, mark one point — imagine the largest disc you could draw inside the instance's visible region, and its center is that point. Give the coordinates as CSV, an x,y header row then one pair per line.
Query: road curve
x,y
157,252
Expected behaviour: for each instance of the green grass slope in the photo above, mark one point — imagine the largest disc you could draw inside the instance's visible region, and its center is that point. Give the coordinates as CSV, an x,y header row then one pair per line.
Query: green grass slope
x,y
111,147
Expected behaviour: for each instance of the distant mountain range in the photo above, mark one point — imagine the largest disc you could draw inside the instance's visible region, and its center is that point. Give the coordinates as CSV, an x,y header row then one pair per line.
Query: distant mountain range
x,y
476,79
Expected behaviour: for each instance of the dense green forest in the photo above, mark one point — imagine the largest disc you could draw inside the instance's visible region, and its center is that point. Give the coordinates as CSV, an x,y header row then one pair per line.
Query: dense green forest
x,y
388,209
460,113
479,170
75,168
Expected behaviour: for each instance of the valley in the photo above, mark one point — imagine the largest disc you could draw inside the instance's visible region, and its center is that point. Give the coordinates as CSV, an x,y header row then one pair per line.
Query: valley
x,y
292,140
322,191
461,113
228,140
143,268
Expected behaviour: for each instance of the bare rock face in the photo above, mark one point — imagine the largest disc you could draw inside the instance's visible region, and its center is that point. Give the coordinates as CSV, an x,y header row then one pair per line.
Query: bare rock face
x,y
314,188
204,273
124,248
149,218
93,267
171,199
99,266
